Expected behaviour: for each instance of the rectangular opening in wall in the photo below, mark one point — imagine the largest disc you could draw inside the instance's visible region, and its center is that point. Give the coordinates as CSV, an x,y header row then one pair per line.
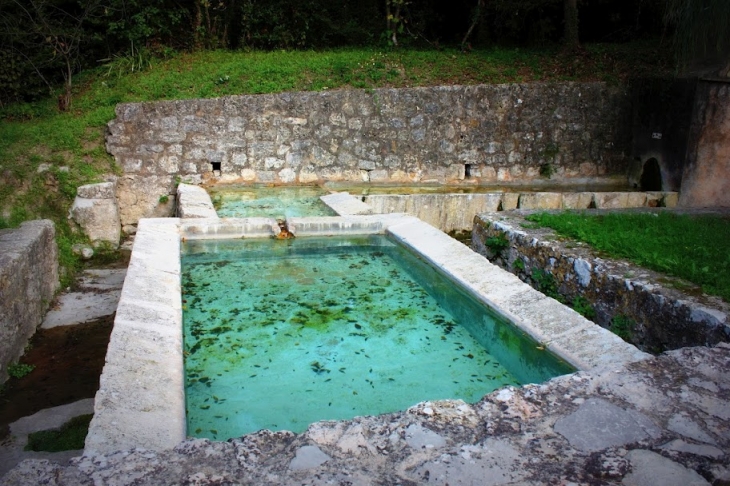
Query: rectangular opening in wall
x,y
468,171
216,166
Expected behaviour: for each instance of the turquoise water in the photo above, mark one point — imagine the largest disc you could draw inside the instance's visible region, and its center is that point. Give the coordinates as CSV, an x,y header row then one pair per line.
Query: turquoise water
x,y
280,334
274,202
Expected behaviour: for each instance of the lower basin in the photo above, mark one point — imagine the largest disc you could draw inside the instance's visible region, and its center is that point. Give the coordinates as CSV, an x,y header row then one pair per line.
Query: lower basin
x,y
279,202
281,334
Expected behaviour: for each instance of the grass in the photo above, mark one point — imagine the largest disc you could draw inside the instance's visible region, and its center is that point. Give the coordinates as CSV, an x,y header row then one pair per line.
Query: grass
x,y
45,154
69,437
693,247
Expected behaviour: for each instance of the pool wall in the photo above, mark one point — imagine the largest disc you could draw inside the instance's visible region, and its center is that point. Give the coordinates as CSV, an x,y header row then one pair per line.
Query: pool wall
x,y
141,402
464,134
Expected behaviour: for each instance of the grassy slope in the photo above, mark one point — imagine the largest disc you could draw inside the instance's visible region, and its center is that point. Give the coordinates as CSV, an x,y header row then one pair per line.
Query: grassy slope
x,y
696,248
70,145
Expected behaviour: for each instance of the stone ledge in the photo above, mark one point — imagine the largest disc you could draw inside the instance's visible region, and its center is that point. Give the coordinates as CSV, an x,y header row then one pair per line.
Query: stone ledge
x,y
666,318
345,204
562,330
141,399
193,202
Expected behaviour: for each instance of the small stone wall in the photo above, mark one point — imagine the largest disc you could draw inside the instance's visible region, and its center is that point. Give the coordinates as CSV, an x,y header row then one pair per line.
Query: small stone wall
x,y
440,134
28,281
455,212
664,318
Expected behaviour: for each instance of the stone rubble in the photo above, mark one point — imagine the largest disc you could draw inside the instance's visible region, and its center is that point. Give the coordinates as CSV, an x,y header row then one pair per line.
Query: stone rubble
x,y
665,420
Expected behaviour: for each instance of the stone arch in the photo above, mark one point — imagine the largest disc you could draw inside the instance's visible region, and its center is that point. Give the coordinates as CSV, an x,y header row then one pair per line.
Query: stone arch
x,y
651,176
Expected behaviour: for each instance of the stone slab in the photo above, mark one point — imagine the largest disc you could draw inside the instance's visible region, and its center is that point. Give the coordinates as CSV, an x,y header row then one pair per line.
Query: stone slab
x,y
193,202
226,228
345,204
97,296
308,457
650,469
598,424
141,400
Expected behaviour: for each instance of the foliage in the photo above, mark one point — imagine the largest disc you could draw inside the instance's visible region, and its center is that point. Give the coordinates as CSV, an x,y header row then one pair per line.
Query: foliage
x,y
700,30
545,283
692,247
622,326
583,307
497,244
69,437
19,370
519,265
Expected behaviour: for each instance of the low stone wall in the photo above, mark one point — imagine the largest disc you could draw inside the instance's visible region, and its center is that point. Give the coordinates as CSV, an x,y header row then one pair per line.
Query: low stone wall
x,y
455,212
28,281
437,134
663,317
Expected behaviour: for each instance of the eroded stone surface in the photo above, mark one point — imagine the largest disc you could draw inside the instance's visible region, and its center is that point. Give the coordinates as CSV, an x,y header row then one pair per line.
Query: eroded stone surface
x,y
509,437
95,210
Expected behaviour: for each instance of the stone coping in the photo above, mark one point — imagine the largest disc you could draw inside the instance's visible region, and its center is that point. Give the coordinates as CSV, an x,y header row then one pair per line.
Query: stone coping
x,y
141,399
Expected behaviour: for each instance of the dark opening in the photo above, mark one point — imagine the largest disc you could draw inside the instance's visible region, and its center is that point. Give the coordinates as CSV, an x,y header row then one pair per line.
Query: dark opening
x,y
216,166
651,176
468,170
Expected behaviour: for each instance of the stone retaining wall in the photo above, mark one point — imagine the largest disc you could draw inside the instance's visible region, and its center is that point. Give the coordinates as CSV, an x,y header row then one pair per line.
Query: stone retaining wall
x,y
662,317
28,281
438,134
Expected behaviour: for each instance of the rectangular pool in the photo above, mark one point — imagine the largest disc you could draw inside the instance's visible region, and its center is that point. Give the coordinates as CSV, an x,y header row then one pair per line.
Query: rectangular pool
x,y
281,334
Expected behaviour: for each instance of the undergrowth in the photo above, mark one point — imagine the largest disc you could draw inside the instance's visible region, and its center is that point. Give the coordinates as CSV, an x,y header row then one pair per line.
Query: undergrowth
x,y
693,247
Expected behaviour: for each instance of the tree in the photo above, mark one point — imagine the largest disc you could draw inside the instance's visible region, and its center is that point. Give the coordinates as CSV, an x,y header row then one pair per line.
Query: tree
x,y
570,39
49,33
701,33
476,16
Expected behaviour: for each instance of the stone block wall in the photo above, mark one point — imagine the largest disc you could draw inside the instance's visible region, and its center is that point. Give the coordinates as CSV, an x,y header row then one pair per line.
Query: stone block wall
x,y
28,281
478,134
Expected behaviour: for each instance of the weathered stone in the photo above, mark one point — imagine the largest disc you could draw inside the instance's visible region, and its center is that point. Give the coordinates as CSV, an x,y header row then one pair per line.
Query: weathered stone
x,y
678,445
419,437
577,200
598,425
688,428
98,215
541,200
387,135
308,457
650,469
194,202
83,250
28,280
144,197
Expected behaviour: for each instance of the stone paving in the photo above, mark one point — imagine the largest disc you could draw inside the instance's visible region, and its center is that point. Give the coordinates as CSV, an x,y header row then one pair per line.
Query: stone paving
x,y
665,420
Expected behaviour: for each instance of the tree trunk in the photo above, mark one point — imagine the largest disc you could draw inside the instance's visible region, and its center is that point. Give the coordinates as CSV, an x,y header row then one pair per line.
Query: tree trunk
x,y
571,41
474,22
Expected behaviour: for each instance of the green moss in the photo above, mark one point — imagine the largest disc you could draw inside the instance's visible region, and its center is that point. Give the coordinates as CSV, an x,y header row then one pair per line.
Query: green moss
x,y
69,437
